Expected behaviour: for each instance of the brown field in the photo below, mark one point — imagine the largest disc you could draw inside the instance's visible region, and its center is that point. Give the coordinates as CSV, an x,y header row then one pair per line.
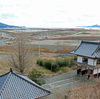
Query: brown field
x,y
49,47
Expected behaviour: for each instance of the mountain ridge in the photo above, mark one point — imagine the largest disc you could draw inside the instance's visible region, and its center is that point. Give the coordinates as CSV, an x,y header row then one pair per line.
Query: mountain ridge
x,y
96,25
3,25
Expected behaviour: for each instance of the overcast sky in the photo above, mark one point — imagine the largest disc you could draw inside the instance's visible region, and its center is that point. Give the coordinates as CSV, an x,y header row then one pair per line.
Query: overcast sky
x,y
50,13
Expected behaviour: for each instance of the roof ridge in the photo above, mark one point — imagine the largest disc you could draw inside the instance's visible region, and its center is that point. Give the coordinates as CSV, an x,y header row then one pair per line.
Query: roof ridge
x,y
78,46
90,42
5,81
87,48
31,82
4,74
87,42
96,48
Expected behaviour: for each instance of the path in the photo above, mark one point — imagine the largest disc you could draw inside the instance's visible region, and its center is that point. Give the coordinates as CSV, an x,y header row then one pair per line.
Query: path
x,y
60,83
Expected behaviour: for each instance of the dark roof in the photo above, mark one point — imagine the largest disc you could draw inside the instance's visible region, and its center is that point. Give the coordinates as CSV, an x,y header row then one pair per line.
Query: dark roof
x,y
17,86
88,49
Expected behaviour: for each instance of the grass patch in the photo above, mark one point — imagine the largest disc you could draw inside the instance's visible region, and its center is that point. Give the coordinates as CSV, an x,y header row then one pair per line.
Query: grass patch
x,y
46,71
63,70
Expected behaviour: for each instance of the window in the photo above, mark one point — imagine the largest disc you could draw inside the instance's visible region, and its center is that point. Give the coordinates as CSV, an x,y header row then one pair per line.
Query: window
x,y
85,60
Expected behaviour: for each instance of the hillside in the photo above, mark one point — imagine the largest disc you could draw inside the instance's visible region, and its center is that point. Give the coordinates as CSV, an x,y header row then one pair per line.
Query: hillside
x,y
2,25
92,26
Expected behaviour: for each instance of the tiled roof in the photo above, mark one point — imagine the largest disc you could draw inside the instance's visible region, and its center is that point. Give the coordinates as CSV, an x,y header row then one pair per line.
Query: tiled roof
x,y
88,49
17,86
3,79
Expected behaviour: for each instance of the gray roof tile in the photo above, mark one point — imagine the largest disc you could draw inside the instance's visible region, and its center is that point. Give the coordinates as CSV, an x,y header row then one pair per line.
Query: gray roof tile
x,y
3,79
17,86
88,49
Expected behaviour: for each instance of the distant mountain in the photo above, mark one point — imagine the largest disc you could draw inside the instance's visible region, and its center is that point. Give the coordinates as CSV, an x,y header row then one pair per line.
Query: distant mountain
x,y
91,26
2,25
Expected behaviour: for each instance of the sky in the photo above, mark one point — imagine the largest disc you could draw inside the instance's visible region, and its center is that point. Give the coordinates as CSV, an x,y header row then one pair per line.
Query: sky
x,y
50,13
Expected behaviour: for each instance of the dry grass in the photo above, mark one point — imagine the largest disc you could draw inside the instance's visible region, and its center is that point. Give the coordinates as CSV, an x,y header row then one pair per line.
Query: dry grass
x,y
82,92
4,67
86,92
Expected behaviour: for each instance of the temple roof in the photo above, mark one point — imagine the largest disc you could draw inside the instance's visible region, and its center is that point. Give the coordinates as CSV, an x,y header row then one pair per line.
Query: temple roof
x,y
17,86
88,49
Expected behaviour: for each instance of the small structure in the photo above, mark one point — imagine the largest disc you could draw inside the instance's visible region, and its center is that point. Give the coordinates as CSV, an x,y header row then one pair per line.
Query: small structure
x,y
17,86
88,58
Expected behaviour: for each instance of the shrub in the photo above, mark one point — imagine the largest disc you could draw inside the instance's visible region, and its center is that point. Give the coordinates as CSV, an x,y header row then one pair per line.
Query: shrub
x,y
60,62
36,76
41,81
71,62
55,67
66,61
59,72
64,69
38,61
48,64
75,57
41,62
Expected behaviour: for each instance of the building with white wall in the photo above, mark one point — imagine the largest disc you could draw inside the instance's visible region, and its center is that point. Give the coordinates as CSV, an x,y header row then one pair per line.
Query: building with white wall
x,y
88,58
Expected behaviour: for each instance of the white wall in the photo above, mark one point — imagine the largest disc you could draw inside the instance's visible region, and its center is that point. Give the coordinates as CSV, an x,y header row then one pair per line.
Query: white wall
x,y
98,70
79,59
95,71
90,62
95,62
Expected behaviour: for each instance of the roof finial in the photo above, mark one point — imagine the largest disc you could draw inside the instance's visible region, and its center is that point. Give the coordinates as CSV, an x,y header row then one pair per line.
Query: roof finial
x,y
10,69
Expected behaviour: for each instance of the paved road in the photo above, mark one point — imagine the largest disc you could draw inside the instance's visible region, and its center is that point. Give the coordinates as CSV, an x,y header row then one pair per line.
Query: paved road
x,y
60,83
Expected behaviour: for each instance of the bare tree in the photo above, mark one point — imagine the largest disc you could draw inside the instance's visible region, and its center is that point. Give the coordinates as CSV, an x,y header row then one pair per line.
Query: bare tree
x,y
20,54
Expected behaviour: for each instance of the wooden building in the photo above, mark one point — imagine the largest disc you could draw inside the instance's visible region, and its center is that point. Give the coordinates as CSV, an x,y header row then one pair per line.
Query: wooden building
x,y
88,58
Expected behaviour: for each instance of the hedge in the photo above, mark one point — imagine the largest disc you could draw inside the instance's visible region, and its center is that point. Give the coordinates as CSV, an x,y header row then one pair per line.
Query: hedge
x,y
55,67
58,63
48,64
